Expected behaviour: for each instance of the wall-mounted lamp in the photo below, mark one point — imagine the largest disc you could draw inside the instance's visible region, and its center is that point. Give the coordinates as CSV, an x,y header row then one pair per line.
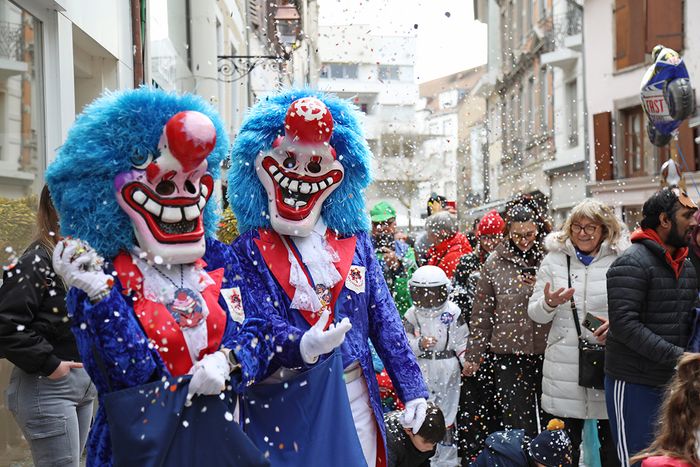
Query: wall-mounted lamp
x,y
287,28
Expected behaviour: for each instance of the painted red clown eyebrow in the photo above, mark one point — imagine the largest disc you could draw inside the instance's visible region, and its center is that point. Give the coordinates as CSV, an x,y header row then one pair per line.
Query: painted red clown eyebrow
x,y
170,175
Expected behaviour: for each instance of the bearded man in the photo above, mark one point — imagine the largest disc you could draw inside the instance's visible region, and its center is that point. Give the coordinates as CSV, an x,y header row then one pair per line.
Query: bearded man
x,y
652,287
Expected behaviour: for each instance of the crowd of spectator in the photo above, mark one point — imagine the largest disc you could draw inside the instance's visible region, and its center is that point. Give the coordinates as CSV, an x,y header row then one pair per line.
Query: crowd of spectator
x,y
579,330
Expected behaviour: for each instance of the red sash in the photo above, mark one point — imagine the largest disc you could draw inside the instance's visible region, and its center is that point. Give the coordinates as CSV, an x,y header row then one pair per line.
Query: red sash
x,y
276,258
158,323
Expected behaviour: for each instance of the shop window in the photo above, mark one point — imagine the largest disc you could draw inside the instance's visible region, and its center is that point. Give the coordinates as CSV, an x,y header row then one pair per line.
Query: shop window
x,y
22,153
22,162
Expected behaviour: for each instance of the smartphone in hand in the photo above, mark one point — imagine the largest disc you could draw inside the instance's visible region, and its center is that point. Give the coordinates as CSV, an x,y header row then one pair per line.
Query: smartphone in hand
x,y
592,322
531,271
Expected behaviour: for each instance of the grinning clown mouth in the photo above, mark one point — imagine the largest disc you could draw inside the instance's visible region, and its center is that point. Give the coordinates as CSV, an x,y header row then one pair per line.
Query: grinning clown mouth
x,y
170,220
296,195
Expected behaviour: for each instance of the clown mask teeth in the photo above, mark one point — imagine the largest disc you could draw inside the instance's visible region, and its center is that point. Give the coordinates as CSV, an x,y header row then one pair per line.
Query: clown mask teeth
x,y
166,198
301,169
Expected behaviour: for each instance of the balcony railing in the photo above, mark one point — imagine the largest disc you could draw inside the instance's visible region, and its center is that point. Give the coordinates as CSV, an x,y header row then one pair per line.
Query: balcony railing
x,y
563,25
11,40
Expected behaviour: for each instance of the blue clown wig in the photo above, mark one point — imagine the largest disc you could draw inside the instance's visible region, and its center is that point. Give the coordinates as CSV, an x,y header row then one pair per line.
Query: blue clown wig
x,y
114,130
344,210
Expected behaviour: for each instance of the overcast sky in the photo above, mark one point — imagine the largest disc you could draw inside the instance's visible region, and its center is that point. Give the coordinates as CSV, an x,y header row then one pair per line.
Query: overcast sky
x,y
448,38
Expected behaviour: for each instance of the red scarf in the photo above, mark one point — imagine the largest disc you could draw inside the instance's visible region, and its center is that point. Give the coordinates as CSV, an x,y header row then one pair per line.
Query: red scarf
x,y
159,325
676,261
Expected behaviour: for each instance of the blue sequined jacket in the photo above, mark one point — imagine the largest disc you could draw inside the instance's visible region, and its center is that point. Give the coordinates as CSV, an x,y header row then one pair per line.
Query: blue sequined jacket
x,y
111,329
372,313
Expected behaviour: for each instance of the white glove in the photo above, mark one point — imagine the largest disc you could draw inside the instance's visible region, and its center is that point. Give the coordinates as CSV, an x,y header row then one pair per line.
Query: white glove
x,y
317,342
209,375
413,415
79,266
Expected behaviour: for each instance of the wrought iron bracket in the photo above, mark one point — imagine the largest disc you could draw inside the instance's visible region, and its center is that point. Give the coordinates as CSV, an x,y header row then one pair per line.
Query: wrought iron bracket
x,y
232,68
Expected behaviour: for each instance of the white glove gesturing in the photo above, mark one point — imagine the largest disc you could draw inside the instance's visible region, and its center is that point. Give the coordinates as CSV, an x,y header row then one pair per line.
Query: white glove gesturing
x,y
209,375
79,266
317,342
413,415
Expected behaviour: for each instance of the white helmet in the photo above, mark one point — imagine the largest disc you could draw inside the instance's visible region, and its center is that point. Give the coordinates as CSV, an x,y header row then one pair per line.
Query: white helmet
x,y
428,276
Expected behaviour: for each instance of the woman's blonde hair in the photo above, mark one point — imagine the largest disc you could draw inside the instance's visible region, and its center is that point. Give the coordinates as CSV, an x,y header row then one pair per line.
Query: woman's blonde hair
x,y
598,212
679,418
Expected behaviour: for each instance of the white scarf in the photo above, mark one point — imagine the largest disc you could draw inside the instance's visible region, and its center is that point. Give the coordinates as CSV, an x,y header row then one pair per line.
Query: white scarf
x,y
318,256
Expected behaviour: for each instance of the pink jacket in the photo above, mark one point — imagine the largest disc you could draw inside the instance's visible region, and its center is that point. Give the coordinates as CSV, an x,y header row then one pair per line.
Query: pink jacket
x,y
664,461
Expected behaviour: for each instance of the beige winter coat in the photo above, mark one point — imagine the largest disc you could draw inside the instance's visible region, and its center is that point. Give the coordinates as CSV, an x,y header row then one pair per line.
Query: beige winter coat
x,y
561,394
499,318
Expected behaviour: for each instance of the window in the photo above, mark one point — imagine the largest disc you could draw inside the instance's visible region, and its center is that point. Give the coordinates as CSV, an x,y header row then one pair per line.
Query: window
x,y
341,71
528,16
662,22
22,148
504,108
517,18
542,8
544,101
572,113
506,36
529,128
448,99
22,159
389,72
447,128
639,155
494,125
169,39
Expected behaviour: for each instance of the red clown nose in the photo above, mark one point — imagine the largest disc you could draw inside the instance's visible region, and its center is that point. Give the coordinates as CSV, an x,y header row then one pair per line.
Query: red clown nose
x,y
308,121
191,138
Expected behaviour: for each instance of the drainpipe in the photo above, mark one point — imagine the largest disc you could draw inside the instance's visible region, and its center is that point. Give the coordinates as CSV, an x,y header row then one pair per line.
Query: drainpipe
x,y
138,42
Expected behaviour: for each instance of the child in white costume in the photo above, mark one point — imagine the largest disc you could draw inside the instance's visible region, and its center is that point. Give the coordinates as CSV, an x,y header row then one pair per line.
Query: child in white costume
x,y
438,336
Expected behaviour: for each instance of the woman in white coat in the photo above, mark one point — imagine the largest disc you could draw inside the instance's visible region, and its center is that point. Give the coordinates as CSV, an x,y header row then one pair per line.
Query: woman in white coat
x,y
591,238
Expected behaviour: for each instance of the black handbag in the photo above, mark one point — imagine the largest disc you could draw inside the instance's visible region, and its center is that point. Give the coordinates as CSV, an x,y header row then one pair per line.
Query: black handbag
x,y
591,357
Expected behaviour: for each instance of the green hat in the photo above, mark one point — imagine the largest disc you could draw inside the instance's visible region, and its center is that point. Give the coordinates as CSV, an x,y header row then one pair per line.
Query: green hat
x,y
382,212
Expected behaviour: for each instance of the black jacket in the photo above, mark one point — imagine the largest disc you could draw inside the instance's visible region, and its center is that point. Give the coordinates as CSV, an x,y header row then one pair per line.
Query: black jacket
x,y
400,450
650,315
35,330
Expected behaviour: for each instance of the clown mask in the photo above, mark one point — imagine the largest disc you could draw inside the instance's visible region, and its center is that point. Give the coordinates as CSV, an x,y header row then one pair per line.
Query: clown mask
x,y
301,170
165,195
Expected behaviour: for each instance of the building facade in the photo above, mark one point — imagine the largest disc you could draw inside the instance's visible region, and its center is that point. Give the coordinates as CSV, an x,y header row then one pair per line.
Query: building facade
x,y
452,122
374,68
624,165
535,103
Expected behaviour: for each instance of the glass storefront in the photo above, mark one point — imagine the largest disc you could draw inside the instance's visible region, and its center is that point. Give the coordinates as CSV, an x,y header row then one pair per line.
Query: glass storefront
x,y
22,164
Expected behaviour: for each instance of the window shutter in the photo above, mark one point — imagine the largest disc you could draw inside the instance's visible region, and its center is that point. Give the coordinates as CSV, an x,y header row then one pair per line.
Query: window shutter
x,y
602,142
629,37
254,14
686,141
664,24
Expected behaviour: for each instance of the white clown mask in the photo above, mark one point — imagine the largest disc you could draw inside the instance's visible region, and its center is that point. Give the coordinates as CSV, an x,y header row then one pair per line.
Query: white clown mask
x,y
301,170
165,195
